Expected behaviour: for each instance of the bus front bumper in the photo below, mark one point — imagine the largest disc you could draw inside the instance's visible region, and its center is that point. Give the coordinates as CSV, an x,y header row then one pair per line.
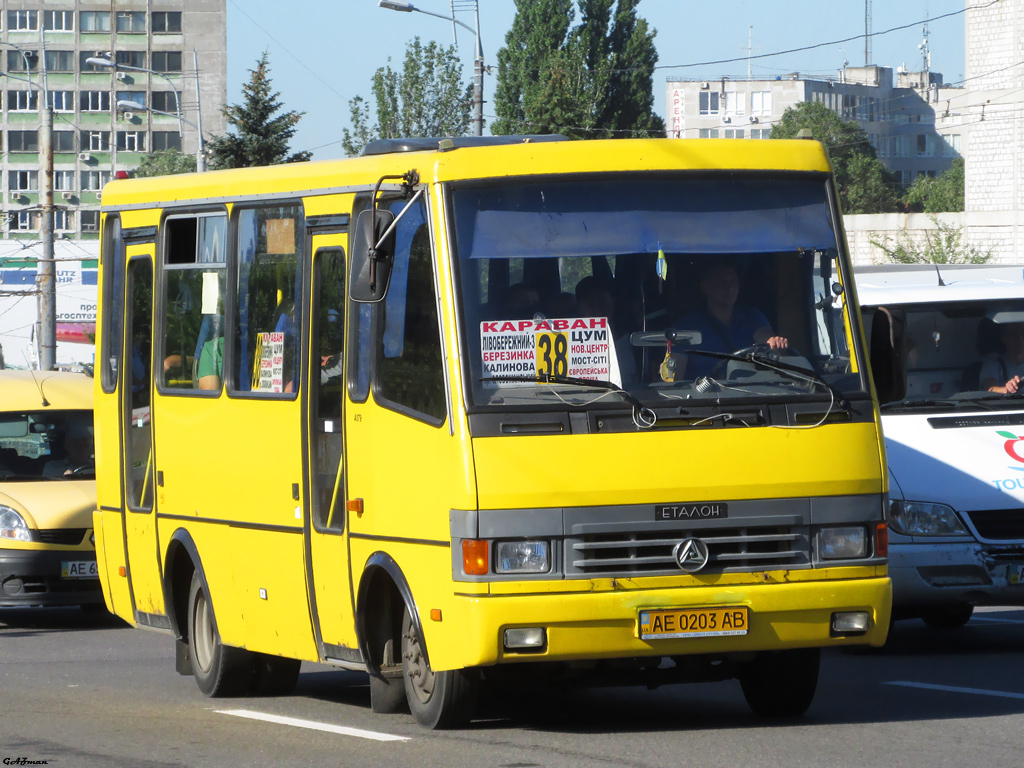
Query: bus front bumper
x,y
605,625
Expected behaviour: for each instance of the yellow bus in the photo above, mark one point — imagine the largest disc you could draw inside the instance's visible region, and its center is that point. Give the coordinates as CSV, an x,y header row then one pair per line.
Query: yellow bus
x,y
478,409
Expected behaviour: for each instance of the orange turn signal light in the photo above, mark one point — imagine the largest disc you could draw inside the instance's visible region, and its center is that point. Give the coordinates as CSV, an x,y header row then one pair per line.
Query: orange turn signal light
x,y
435,614
122,571
474,557
882,540
354,505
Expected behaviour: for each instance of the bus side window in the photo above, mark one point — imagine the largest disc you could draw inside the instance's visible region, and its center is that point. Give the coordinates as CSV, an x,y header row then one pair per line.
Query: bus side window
x,y
411,372
327,387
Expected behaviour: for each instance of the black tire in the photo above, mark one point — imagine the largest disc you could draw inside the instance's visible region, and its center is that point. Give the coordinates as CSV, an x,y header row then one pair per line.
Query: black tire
x,y
949,616
782,684
274,675
219,670
387,694
436,699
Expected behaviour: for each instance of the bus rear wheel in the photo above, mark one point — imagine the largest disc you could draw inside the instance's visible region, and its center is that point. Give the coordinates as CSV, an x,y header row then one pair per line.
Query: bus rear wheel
x,y
219,670
436,699
782,684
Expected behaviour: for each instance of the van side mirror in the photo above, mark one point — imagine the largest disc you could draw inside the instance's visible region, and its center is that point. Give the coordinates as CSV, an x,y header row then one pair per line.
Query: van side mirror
x,y
372,256
887,349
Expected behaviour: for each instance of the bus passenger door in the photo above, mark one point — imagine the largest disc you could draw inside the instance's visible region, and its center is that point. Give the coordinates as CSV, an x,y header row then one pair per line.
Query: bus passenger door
x,y
137,441
326,530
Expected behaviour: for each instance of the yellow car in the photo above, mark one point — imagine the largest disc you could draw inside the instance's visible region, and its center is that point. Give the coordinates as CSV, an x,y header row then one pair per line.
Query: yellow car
x,y
47,490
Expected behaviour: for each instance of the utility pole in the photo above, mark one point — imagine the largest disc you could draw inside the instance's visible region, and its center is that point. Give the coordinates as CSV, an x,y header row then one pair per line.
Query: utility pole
x,y
46,269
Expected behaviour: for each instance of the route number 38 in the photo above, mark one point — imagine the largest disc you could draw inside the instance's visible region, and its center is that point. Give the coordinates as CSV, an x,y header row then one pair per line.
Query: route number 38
x,y
552,354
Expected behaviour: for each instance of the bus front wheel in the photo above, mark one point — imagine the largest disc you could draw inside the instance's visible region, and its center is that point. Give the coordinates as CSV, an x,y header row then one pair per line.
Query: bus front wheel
x,y
219,670
436,699
781,684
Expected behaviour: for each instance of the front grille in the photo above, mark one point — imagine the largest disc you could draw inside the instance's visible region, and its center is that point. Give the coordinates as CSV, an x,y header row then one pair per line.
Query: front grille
x,y
998,524
66,536
650,552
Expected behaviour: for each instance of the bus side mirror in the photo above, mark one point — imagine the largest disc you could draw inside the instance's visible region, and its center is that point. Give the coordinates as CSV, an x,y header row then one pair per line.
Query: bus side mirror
x,y
372,256
887,348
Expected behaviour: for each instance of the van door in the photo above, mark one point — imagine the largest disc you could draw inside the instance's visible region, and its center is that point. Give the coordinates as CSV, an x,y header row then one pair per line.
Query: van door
x,y
137,442
326,525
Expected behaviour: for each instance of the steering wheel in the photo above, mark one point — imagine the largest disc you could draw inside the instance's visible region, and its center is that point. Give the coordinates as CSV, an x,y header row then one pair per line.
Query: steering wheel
x,y
80,470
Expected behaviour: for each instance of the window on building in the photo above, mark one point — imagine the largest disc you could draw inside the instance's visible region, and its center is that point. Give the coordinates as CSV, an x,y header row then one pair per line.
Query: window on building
x,y
163,140
25,221
63,141
922,145
93,181
708,102
86,67
95,141
59,21
95,101
166,21
167,61
63,220
709,133
760,133
23,181
135,97
734,103
60,61
23,141
761,103
22,21
164,101
132,58
23,101
90,221
63,181
130,21
734,133
61,101
131,141
94,21
16,61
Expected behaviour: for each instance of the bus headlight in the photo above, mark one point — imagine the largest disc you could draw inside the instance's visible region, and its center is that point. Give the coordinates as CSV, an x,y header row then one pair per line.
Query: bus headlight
x,y
522,557
843,543
917,518
12,525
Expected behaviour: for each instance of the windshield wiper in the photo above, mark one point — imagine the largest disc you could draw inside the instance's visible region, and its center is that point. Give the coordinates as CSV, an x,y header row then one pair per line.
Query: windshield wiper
x,y
907,403
643,416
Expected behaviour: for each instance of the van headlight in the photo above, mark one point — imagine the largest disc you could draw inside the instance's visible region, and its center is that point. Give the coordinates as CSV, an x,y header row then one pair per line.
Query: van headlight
x,y
522,557
12,525
843,543
920,518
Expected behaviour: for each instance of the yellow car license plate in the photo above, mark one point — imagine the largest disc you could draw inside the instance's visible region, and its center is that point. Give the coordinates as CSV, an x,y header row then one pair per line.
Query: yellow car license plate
x,y
693,622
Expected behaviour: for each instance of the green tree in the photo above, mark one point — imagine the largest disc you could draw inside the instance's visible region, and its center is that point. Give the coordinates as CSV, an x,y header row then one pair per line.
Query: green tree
x,y
591,80
939,194
427,98
865,185
260,135
165,163
943,245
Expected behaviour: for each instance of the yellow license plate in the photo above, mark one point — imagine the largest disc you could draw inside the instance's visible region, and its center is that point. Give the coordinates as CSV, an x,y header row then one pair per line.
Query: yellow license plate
x,y
693,622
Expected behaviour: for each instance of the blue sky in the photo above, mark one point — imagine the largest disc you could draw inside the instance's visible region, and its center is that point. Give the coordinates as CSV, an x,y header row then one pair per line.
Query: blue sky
x,y
324,52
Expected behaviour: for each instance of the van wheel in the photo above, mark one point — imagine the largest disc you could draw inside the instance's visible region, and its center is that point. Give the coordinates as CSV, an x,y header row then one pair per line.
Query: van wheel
x,y
219,669
782,684
436,699
949,616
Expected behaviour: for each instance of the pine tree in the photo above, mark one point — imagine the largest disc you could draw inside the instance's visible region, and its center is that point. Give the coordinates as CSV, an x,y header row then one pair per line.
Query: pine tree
x,y
427,98
165,163
260,137
592,80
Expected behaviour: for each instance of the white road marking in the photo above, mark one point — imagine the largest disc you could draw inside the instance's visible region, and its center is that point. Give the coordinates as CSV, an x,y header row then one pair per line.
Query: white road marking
x,y
955,689
312,725
996,621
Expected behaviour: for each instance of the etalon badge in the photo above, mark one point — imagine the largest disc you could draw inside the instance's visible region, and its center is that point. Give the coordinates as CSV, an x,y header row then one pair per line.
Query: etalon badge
x,y
691,555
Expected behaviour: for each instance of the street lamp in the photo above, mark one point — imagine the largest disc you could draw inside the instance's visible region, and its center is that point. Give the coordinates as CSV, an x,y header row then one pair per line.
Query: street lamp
x,y
98,61
478,62
46,284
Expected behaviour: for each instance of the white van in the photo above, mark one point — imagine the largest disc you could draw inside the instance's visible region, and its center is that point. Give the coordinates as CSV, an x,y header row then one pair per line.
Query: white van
x,y
955,449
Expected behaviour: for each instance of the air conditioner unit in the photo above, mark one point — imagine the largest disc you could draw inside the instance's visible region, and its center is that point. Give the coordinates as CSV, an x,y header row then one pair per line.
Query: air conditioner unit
x,y
99,196
65,195
753,119
705,85
128,115
15,196
85,157
121,75
726,119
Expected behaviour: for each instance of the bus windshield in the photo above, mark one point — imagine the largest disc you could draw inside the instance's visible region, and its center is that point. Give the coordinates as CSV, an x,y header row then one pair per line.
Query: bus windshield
x,y
693,288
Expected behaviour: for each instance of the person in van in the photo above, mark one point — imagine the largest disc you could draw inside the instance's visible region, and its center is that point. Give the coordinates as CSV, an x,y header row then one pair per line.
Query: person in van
x,y
1002,373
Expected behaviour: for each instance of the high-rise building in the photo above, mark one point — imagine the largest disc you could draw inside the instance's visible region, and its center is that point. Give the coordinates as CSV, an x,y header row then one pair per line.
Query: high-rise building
x,y
121,78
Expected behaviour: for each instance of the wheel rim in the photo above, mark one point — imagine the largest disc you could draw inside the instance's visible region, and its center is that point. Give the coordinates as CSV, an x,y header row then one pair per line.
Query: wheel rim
x,y
202,632
418,672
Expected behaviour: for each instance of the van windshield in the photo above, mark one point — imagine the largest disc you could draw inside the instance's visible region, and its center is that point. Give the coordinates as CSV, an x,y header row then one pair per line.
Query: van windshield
x,y
46,445
668,287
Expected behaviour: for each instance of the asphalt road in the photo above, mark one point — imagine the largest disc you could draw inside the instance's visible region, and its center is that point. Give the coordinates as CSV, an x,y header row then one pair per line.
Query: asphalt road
x,y
84,690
